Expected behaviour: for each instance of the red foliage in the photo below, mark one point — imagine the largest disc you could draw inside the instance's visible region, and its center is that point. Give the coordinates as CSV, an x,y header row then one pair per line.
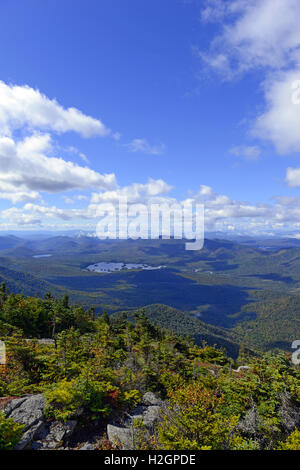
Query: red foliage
x,y
4,401
112,397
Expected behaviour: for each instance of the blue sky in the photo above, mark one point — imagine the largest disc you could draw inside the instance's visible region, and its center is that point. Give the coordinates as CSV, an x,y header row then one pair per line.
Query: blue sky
x,y
175,97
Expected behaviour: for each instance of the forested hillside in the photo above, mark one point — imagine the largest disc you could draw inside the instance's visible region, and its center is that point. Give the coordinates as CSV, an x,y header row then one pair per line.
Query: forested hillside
x,y
186,325
276,324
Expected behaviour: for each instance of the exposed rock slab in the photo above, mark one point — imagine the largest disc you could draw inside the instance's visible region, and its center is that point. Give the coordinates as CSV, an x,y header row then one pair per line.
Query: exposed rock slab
x,y
54,435
38,433
148,411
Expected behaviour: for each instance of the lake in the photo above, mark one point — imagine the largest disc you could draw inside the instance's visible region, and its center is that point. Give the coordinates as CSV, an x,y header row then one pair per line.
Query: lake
x,y
112,267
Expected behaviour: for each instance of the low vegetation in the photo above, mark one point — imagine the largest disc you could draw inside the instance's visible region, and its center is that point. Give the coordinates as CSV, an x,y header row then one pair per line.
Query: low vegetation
x,y
102,366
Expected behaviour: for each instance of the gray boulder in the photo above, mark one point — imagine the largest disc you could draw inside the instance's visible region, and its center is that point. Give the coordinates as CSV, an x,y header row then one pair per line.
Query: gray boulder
x,y
151,416
27,410
38,433
28,437
54,435
30,412
150,398
120,437
148,411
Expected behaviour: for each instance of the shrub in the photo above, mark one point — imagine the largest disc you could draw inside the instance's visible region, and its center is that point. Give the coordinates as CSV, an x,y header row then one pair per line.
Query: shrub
x,y
10,432
292,442
193,421
66,398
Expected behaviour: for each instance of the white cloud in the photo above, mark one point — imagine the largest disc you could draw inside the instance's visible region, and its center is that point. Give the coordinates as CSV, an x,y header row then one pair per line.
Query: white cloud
x,y
265,36
224,213
22,106
280,123
143,146
293,177
68,200
250,152
253,34
116,136
25,168
205,191
53,211
17,217
136,192
219,206
26,164
221,212
10,192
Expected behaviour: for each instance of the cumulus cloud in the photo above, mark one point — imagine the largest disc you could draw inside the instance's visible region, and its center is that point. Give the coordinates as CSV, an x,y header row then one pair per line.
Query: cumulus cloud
x,y
224,213
136,192
22,106
265,36
53,212
26,169
17,217
253,34
27,164
221,207
280,123
143,146
43,216
221,212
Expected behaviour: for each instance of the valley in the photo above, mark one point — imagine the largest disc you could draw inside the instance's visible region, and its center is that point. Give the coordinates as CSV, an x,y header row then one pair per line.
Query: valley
x,y
249,292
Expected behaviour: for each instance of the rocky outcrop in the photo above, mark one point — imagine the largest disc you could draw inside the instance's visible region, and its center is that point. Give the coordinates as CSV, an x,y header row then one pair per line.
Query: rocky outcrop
x,y
150,399
250,423
54,435
289,413
41,433
38,433
30,412
122,436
